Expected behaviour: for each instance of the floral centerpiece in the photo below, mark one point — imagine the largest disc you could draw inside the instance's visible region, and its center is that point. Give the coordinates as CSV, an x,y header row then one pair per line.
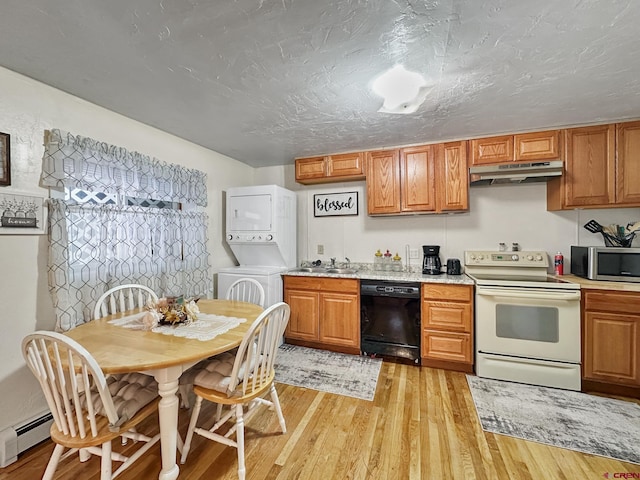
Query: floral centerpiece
x,y
170,311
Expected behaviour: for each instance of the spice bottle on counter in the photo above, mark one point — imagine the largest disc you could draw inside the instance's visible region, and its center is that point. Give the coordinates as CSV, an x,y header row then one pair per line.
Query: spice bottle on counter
x,y
377,261
387,261
558,264
397,263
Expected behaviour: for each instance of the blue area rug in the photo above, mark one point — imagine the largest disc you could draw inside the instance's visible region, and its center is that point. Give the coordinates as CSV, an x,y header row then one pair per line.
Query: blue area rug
x,y
573,420
342,374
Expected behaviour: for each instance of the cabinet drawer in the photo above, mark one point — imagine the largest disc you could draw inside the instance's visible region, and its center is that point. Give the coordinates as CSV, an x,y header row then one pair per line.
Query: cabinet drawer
x,y
441,291
612,301
446,316
344,285
453,347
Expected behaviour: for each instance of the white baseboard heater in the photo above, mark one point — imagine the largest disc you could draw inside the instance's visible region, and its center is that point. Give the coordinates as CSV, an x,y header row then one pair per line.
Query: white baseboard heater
x,y
17,439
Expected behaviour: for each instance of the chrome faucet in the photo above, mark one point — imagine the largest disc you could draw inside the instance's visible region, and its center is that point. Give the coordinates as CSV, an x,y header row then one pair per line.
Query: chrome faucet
x,y
333,262
348,262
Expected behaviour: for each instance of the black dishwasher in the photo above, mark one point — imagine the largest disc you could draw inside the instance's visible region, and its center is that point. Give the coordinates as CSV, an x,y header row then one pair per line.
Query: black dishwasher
x,y
390,319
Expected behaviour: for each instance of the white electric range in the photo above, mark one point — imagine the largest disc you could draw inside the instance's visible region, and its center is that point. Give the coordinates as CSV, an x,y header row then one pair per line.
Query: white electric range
x,y
527,321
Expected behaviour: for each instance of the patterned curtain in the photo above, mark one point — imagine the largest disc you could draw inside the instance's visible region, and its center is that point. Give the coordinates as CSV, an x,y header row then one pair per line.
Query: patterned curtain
x,y
71,161
113,239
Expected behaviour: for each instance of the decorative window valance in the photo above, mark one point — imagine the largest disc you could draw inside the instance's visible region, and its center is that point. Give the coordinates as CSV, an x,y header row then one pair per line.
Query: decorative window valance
x,y
73,161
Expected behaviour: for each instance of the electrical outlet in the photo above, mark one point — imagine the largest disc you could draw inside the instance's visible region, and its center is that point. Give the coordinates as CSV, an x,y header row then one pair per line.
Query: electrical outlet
x,y
414,253
320,250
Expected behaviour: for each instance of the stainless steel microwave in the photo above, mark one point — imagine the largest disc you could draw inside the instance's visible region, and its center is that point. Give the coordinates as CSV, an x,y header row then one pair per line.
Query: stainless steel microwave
x,y
606,263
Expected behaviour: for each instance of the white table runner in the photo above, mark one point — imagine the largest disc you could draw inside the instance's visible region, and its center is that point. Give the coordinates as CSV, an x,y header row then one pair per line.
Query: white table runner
x,y
206,327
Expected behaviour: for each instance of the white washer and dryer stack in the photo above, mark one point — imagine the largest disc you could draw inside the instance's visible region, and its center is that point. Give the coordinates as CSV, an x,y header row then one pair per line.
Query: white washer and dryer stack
x,y
261,232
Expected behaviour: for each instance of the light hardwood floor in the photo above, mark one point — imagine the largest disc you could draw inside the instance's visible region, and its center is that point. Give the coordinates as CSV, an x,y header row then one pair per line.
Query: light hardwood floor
x,y
422,424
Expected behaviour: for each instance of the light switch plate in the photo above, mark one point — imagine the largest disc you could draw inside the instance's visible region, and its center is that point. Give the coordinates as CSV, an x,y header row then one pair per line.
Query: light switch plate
x,y
320,250
414,253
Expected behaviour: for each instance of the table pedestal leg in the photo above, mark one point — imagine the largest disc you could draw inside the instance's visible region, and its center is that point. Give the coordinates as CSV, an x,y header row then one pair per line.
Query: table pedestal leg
x,y
168,417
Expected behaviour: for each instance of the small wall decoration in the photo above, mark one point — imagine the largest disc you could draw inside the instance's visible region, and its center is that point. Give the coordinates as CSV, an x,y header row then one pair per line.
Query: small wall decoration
x,y
335,204
5,159
22,214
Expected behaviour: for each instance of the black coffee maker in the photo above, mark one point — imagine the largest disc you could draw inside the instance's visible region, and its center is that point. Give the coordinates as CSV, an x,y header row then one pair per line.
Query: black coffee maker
x,y
431,263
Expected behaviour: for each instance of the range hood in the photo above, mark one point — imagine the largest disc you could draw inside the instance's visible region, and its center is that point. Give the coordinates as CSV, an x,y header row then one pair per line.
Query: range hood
x,y
514,173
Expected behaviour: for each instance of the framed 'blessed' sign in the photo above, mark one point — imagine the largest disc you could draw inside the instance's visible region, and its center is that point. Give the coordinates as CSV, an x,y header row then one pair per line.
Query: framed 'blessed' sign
x,y
335,204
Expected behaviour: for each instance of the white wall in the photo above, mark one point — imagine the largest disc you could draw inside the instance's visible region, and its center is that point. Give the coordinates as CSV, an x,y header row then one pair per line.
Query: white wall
x,y
27,108
500,213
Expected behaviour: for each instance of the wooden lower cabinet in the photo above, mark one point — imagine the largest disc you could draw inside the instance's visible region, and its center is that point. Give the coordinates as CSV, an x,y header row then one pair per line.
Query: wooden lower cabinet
x,y
447,326
325,312
611,341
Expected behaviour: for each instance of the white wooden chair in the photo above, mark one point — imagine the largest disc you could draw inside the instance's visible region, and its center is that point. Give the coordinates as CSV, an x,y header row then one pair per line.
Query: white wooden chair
x,y
241,380
246,290
123,298
88,423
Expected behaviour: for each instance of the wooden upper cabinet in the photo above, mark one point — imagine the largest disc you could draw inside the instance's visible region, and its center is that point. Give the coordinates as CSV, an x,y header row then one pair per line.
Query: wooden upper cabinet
x,y
590,166
522,147
486,151
383,182
453,176
418,180
589,177
310,169
422,179
537,146
346,165
330,168
628,164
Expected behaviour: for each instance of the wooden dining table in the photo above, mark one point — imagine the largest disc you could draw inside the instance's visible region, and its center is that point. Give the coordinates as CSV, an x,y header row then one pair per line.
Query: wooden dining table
x,y
166,357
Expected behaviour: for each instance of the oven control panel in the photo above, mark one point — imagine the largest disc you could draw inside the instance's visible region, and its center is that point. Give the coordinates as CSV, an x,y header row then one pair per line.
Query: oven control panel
x,y
506,259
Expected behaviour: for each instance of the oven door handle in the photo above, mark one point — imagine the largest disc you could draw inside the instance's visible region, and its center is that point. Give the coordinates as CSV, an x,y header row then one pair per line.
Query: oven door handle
x,y
535,294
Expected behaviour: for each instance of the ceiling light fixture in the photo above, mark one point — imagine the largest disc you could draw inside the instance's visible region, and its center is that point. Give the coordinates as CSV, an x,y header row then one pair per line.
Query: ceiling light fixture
x,y
403,91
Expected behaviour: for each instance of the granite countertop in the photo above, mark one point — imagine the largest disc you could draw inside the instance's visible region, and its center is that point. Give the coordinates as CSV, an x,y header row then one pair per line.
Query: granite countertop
x,y
367,274
601,284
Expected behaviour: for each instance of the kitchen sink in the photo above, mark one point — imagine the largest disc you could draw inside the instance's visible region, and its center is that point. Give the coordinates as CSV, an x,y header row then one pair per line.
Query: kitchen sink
x,y
340,270
325,270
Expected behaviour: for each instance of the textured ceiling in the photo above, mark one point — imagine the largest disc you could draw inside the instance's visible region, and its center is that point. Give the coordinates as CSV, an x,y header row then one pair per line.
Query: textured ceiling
x,y
266,81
